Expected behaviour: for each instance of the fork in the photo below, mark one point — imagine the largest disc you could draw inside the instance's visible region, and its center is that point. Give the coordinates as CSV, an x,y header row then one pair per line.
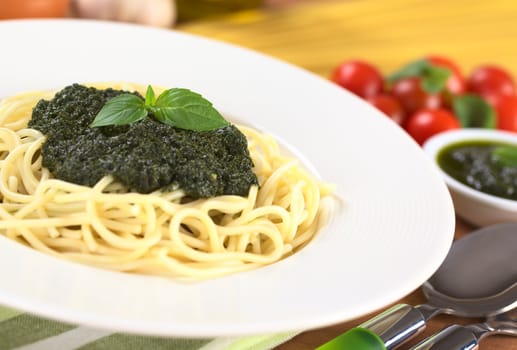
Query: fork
x,y
467,337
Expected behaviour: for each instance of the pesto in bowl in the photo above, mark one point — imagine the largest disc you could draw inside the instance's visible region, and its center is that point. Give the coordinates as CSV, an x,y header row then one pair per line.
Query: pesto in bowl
x,y
482,165
477,166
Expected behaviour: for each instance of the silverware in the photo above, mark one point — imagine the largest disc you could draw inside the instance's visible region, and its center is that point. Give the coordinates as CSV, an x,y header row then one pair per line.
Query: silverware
x,y
477,279
467,337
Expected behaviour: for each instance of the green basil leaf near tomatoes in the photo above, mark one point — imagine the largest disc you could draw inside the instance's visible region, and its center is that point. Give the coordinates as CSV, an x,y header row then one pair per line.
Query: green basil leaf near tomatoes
x,y
433,77
413,69
474,112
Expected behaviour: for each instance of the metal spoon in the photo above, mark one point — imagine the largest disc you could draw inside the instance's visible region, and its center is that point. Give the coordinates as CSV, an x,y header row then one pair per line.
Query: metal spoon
x,y
458,337
477,279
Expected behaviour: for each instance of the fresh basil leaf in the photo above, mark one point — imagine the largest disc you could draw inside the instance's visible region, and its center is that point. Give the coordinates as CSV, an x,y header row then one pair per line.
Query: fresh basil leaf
x,y
181,108
433,77
150,97
180,97
506,155
185,109
413,69
191,117
120,110
473,111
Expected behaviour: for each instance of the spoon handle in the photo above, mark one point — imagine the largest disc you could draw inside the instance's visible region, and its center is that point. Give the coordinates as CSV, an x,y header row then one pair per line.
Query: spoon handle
x,y
454,337
386,331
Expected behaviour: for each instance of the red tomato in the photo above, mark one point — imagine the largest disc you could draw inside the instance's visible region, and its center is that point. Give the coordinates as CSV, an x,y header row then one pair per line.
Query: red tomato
x,y
362,78
389,105
491,80
412,97
506,111
428,122
456,82
33,8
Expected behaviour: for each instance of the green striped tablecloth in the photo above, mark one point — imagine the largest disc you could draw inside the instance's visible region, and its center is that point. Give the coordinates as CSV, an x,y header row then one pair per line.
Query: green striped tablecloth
x,y
22,331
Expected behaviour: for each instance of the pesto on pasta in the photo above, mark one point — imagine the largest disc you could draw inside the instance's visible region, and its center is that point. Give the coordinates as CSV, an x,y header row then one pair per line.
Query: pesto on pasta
x,y
164,231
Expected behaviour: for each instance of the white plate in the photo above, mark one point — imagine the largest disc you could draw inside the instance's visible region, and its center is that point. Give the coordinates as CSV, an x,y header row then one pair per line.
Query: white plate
x,y
391,234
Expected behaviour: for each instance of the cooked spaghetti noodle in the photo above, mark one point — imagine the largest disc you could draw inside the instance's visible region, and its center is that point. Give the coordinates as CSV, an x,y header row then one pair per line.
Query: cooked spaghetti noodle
x,y
159,233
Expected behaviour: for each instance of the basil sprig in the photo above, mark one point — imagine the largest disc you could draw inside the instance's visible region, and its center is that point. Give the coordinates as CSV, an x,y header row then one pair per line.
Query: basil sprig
x,y
177,107
471,110
433,77
474,112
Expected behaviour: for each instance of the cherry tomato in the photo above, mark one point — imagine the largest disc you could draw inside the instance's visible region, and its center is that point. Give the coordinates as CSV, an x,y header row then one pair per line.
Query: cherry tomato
x,y
360,77
428,122
456,82
33,8
389,105
491,80
506,111
412,97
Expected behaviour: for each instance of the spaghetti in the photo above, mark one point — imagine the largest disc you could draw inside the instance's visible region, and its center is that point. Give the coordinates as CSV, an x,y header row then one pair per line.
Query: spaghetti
x,y
160,233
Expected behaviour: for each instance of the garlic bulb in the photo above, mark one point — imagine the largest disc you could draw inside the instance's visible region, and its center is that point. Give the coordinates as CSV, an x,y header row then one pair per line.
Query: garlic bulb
x,y
160,13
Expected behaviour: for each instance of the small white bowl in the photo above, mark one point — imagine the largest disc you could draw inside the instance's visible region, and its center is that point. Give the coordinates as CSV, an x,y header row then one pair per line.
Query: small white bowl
x,y
476,207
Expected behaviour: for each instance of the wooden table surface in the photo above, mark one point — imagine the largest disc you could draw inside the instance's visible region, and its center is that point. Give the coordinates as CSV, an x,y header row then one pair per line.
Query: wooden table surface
x,y
317,35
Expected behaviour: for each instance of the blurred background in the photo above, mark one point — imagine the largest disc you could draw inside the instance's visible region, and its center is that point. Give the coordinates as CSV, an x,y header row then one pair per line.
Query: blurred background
x,y
318,34
163,13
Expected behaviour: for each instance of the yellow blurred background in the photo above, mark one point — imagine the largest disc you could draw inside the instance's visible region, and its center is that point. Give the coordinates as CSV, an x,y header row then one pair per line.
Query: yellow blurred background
x,y
319,34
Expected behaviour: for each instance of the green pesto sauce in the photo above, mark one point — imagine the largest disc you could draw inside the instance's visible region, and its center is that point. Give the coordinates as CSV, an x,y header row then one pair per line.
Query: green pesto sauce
x,y
474,164
144,156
